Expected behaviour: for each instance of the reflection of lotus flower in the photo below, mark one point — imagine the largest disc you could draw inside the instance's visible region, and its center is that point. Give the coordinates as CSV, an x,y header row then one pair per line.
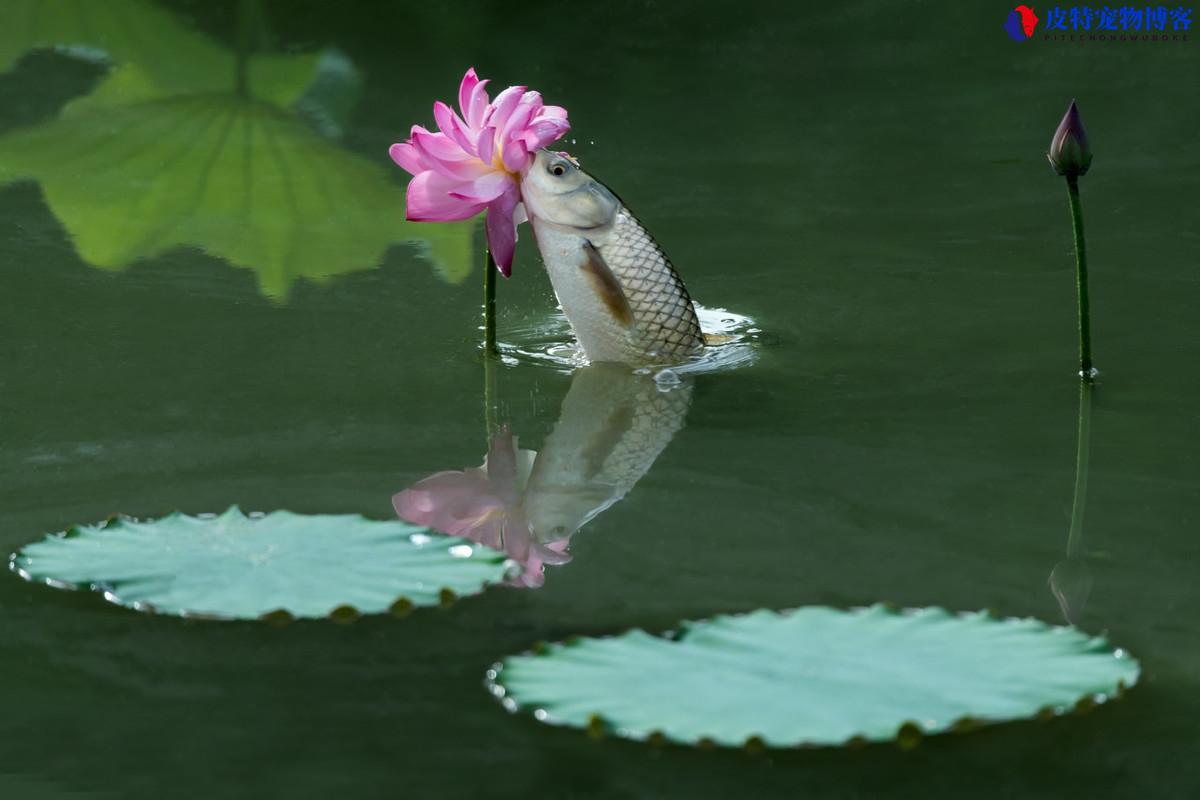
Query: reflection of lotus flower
x,y
613,425
485,504
474,162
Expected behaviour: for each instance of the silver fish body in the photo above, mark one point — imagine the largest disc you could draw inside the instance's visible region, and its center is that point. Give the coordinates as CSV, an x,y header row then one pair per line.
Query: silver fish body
x,y
617,288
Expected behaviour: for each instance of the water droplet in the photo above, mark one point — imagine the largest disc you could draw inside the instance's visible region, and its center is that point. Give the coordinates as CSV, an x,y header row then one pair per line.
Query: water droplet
x,y
540,715
420,539
461,551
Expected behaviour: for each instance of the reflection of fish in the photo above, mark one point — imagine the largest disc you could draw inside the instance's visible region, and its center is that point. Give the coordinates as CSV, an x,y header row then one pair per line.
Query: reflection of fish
x,y
623,298
612,426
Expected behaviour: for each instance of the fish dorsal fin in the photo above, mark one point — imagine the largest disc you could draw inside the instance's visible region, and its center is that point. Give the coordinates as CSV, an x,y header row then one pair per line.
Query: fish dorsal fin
x,y
606,284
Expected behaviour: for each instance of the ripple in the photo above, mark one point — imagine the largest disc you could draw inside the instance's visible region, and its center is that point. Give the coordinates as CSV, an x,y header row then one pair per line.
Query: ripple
x,y
548,341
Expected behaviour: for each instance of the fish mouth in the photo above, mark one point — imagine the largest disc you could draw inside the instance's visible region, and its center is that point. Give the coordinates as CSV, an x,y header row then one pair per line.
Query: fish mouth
x,y
562,227
587,189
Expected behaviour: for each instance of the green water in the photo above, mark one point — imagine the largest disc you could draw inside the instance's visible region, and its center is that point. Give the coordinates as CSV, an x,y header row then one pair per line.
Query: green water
x,y
864,180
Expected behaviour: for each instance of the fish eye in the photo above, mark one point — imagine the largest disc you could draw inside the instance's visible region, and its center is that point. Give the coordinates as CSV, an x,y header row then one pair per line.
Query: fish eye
x,y
558,169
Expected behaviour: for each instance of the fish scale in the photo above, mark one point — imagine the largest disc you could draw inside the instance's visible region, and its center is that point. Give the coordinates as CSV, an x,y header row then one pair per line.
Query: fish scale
x,y
665,323
613,425
663,327
616,287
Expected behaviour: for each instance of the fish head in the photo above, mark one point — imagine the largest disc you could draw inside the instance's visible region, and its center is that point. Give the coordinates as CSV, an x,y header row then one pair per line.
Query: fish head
x,y
555,190
557,511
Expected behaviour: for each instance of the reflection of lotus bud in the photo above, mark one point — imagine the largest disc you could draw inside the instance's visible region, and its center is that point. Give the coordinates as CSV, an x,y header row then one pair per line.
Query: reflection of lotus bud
x,y
1070,154
1071,582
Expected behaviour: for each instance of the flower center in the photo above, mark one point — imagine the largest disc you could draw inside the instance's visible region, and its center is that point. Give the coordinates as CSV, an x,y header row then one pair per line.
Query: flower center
x,y
498,166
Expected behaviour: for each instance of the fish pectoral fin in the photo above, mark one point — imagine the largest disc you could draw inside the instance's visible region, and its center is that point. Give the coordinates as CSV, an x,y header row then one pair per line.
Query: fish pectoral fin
x,y
606,284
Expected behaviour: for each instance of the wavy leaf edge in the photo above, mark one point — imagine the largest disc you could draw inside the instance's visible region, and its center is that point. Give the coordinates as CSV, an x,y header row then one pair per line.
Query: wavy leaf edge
x,y
401,607
908,733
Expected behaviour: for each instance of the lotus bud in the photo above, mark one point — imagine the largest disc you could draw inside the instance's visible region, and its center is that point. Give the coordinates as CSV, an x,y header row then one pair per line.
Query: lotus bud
x,y
1070,154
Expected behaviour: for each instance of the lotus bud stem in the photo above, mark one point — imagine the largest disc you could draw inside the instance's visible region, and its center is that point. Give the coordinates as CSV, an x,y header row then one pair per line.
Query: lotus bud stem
x,y
1070,155
1071,579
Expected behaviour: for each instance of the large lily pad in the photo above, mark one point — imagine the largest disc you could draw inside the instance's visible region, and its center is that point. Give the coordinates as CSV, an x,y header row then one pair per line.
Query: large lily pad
x,y
814,676
170,59
164,153
235,566
242,180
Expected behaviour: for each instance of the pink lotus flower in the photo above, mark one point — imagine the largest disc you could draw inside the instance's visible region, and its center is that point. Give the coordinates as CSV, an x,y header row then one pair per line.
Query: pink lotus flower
x,y
485,504
474,161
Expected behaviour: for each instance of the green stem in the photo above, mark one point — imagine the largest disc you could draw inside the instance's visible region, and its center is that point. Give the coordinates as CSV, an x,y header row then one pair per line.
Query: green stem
x,y
489,307
1075,537
1081,280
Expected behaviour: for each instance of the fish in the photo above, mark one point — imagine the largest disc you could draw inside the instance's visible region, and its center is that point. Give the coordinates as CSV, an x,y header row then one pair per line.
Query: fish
x,y
619,291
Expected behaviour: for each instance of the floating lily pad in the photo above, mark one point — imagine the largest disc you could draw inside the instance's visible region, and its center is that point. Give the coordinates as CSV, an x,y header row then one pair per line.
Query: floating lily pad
x,y
235,566
814,676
